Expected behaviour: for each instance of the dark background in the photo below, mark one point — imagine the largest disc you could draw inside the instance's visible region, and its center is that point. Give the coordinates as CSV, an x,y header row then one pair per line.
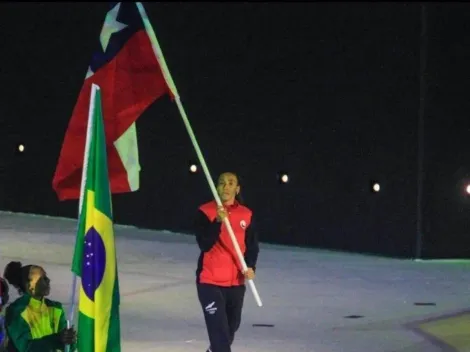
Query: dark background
x,y
327,92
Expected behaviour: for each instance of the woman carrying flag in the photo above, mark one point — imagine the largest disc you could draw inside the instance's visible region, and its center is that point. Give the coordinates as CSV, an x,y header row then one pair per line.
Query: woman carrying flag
x,y
220,281
34,323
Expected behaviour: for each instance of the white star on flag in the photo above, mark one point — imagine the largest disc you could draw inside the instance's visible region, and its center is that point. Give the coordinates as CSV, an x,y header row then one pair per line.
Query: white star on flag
x,y
110,26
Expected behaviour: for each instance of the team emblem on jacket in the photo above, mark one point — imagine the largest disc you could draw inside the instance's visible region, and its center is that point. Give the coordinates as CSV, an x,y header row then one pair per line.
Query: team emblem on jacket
x,y
243,224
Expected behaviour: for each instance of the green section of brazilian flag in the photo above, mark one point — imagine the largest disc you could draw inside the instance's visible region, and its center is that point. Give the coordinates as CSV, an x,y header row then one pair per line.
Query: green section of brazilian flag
x,y
94,259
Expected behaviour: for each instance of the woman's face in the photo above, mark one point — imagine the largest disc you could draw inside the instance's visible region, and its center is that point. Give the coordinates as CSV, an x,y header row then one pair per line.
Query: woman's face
x,y
228,187
39,283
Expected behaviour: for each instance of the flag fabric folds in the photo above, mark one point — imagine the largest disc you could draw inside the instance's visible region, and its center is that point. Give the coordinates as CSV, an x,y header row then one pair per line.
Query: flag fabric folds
x,y
94,259
125,67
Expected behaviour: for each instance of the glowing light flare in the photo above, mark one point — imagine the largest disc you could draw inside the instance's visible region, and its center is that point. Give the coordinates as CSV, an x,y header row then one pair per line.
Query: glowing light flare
x,y
283,177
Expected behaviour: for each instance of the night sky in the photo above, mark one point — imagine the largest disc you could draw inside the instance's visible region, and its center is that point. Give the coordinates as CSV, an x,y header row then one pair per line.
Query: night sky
x,y
326,92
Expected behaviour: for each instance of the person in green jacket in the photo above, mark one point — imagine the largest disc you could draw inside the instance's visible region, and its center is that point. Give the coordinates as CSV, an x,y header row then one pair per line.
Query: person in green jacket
x,y
34,323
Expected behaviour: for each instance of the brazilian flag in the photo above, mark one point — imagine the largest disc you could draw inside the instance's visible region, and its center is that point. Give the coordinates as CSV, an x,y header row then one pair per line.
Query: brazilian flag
x,y
94,259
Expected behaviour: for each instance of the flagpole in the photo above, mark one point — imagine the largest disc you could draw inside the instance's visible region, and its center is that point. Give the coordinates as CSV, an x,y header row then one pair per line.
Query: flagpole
x,y
91,108
169,80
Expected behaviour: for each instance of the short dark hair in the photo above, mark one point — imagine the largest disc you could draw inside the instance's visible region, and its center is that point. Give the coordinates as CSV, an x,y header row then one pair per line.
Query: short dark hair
x,y
4,293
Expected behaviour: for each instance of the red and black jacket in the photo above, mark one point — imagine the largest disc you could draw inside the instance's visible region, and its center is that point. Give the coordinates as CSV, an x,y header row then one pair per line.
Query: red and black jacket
x,y
218,262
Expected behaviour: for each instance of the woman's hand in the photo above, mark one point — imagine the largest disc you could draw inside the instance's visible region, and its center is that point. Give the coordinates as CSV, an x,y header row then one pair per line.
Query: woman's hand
x,y
221,213
68,336
249,274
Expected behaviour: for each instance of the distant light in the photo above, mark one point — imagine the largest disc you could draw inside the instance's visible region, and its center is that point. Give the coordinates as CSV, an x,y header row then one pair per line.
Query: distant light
x,y
193,168
376,187
21,148
285,178
467,189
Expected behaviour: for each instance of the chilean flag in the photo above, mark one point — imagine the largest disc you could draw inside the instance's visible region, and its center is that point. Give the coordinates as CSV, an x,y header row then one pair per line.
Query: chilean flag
x,y
130,77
